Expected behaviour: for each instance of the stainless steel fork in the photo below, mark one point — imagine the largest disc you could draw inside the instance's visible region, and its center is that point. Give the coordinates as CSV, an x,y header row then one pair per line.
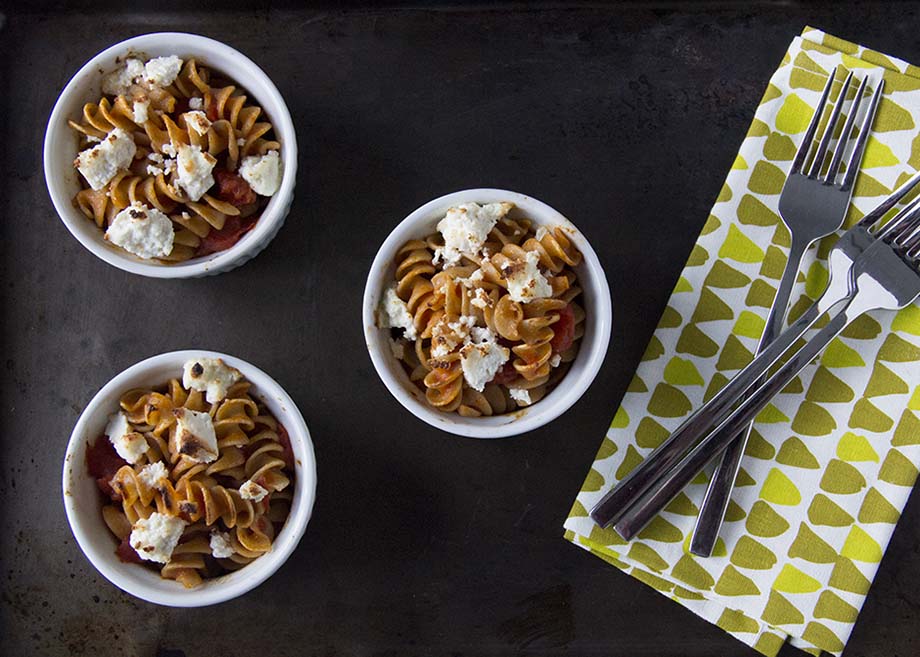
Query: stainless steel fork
x,y
870,267
812,206
637,498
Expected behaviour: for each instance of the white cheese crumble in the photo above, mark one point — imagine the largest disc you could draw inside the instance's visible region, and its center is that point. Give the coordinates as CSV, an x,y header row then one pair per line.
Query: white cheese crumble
x,y
465,229
541,233
262,172
100,163
196,103
145,232
195,170
169,149
155,538
526,282
555,360
240,142
446,336
129,444
481,299
195,437
394,313
198,122
221,547
209,375
141,111
153,474
520,395
482,358
162,71
250,490
118,83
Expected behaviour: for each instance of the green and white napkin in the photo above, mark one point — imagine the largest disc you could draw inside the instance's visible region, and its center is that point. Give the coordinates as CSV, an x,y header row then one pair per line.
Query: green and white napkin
x,y
832,461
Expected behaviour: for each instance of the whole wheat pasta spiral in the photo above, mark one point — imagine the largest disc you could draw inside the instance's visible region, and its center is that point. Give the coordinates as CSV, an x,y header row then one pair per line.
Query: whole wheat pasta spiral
x,y
225,509
484,314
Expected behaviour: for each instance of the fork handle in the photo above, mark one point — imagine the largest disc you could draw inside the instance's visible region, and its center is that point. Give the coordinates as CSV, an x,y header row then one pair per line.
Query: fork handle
x,y
610,508
653,500
715,502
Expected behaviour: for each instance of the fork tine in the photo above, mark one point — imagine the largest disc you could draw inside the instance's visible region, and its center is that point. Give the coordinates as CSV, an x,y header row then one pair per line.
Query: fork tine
x,y
894,228
908,236
845,134
818,162
863,138
805,146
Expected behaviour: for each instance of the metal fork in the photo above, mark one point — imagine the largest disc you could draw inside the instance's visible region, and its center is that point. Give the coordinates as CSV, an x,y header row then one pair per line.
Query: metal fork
x,y
812,206
630,501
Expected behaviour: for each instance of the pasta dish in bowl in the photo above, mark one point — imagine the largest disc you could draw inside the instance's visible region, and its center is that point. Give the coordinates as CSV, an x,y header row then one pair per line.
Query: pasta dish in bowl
x,y
189,478
478,306
171,155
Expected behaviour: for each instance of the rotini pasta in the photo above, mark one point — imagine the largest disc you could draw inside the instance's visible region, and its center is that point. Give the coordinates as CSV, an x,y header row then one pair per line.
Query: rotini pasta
x,y
176,162
192,513
485,313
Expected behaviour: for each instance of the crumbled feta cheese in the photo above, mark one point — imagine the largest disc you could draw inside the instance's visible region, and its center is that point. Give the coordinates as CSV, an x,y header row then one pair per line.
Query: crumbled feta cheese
x,y
482,358
195,437
446,336
262,172
154,170
252,491
210,375
145,232
398,349
198,121
240,142
153,474
129,444
520,395
100,163
195,171
141,111
162,71
555,360
541,233
196,103
465,229
155,538
526,282
473,280
221,547
394,313
169,149
118,83
481,299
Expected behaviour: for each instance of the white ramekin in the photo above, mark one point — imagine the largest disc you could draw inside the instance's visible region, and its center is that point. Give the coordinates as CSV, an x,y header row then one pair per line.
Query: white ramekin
x,y
61,148
83,502
598,318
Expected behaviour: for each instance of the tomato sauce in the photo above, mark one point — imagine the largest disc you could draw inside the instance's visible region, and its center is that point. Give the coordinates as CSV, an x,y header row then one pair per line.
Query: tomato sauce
x,y
102,462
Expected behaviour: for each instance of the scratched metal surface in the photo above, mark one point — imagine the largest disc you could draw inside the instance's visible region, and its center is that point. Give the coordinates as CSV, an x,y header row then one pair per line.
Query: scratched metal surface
x,y
624,118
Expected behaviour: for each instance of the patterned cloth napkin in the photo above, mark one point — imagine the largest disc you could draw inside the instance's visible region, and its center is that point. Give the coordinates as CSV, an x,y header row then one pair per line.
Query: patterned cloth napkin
x,y
832,461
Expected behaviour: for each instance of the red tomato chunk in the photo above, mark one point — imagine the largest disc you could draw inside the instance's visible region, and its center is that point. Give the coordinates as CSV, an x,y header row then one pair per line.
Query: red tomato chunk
x,y
564,330
220,240
102,462
285,440
126,553
233,189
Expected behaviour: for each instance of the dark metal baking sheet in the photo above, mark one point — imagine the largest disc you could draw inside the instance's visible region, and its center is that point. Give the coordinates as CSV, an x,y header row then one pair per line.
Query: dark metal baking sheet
x,y
624,117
